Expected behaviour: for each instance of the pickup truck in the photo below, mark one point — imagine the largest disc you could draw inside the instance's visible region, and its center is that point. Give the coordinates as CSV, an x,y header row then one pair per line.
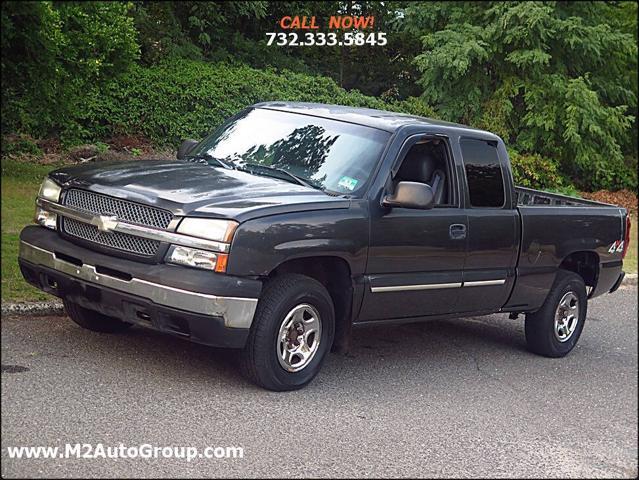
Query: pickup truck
x,y
294,223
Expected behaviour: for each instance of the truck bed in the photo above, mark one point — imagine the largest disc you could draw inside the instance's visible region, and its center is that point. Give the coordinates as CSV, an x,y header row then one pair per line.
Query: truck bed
x,y
551,234
530,196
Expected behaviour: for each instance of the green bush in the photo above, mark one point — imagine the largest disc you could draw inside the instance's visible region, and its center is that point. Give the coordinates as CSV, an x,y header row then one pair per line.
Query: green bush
x,y
19,145
187,98
52,52
569,190
413,106
535,171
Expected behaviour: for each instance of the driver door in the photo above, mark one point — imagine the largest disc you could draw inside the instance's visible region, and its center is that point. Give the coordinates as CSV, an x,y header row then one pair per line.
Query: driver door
x,y
416,257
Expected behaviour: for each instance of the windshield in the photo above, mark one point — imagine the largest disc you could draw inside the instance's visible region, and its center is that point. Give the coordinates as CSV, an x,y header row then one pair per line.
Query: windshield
x,y
327,154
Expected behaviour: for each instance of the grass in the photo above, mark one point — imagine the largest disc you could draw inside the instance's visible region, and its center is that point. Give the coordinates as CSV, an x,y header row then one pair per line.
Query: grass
x,y
20,183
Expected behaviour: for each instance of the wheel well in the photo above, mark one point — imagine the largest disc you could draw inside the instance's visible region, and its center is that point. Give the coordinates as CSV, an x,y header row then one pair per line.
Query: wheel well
x,y
335,274
585,264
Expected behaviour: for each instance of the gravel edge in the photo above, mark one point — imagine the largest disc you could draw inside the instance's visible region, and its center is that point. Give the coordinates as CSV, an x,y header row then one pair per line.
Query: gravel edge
x,y
55,307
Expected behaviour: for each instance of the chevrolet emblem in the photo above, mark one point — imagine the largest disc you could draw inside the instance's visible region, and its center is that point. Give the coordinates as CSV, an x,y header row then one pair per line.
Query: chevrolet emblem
x,y
105,223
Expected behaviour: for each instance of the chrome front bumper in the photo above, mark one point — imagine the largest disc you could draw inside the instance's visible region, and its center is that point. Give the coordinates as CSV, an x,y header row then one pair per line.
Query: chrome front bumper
x,y
237,312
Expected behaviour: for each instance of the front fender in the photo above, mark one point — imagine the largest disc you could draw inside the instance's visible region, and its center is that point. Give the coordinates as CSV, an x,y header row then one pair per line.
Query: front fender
x,y
261,244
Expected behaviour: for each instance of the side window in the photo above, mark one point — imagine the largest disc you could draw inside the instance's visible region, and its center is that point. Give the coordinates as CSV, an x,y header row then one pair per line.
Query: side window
x,y
428,162
483,173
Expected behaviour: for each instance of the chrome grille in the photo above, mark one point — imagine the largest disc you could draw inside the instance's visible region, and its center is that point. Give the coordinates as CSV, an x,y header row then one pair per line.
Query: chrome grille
x,y
120,241
123,209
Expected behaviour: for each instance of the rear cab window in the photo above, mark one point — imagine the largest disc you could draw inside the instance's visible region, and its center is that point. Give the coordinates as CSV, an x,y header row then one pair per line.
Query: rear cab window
x,y
484,175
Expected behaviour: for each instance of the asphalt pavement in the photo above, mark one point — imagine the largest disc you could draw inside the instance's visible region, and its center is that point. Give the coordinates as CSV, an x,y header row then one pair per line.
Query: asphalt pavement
x,y
447,398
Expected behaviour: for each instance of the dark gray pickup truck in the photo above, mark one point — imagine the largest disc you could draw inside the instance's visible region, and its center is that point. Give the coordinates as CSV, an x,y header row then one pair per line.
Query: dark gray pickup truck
x,y
293,223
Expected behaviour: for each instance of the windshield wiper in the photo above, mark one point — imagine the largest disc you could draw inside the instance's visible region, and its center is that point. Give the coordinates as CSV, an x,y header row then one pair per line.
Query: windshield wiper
x,y
294,178
207,158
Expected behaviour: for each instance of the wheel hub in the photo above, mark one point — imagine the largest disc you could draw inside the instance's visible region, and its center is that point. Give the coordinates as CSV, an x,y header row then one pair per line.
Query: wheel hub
x,y
299,337
566,317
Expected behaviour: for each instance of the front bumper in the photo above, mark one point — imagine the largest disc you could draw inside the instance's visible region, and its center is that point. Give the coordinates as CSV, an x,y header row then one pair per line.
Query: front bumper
x,y
202,306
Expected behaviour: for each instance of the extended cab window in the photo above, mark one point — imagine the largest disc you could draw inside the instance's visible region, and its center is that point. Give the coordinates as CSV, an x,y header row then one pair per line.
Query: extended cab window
x,y
483,173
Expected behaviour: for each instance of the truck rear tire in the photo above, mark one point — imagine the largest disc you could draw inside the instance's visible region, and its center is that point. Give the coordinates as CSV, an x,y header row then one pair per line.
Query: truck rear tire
x,y
553,330
94,321
292,332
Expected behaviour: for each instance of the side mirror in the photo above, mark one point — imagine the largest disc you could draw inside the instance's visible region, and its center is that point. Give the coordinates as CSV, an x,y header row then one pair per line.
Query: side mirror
x,y
411,195
185,148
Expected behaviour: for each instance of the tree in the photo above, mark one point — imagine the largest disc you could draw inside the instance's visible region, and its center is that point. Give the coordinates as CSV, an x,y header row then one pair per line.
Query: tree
x,y
556,79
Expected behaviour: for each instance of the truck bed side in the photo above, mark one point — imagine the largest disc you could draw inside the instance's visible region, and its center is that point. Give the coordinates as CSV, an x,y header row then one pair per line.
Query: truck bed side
x,y
575,237
529,196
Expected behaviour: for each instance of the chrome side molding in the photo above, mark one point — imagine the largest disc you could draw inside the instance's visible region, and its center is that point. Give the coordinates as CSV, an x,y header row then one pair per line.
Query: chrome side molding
x,y
426,286
484,283
437,286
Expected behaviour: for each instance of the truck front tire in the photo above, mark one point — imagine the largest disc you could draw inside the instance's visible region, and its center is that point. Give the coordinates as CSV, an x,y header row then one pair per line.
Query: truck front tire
x,y
94,321
553,330
292,332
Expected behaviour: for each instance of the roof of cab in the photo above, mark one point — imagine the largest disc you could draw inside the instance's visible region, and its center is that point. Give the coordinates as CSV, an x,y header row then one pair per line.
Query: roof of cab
x,y
380,119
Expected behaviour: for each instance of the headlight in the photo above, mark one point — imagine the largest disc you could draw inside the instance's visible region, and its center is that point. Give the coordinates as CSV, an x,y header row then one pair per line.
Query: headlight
x,y
45,218
192,257
49,190
211,229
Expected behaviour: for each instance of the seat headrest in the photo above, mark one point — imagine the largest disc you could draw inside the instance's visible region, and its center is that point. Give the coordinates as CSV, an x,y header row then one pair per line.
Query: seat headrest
x,y
418,165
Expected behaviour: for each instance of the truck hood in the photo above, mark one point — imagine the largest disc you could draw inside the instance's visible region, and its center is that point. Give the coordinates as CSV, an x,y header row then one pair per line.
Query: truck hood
x,y
196,189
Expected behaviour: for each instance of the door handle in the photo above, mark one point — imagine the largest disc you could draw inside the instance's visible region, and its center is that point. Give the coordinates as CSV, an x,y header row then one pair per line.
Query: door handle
x,y
457,231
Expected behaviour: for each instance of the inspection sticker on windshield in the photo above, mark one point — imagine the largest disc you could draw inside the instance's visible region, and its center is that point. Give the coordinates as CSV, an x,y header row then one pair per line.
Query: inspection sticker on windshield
x,y
347,182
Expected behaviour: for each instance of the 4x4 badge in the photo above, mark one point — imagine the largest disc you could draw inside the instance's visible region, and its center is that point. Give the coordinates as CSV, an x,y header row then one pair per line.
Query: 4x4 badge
x,y
617,246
